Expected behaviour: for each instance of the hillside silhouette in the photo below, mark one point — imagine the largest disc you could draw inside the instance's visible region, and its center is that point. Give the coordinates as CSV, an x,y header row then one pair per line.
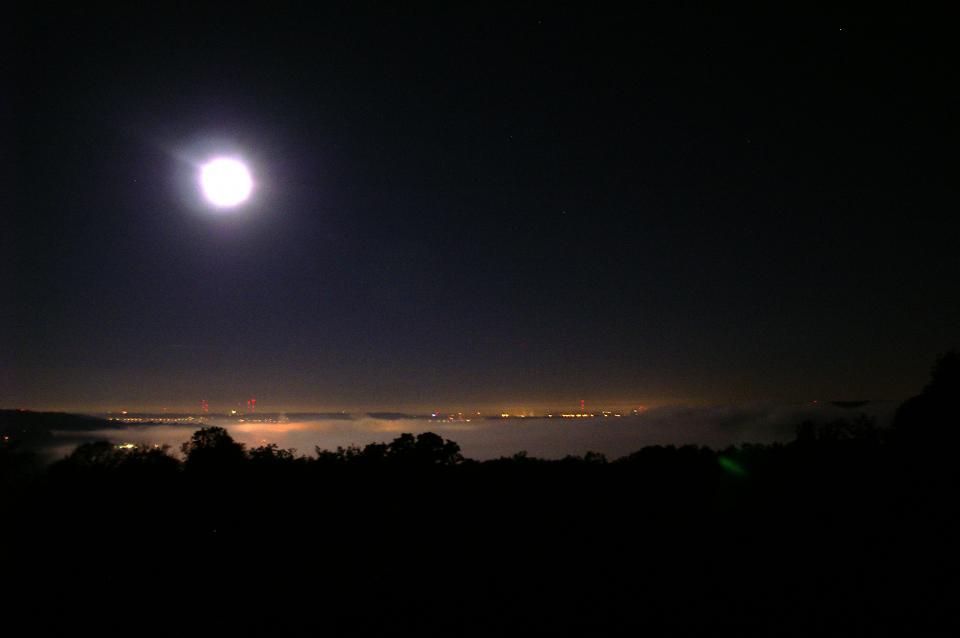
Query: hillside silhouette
x,y
848,530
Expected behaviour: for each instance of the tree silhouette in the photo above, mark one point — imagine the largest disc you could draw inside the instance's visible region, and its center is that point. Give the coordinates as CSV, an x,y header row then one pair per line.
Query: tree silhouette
x,y
407,450
272,454
944,376
424,450
97,454
211,449
933,416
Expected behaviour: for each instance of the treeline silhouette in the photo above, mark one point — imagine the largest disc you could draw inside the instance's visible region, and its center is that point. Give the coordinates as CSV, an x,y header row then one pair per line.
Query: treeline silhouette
x,y
847,530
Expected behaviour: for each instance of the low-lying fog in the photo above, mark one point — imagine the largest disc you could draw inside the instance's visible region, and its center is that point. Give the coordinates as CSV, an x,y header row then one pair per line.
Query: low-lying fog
x,y
480,439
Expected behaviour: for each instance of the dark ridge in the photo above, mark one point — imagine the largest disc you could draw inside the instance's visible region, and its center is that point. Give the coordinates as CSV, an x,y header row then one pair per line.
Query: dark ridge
x,y
307,416
849,405
25,421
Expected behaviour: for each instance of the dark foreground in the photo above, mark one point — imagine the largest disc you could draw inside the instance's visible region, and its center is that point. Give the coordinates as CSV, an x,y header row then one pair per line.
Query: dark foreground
x,y
847,531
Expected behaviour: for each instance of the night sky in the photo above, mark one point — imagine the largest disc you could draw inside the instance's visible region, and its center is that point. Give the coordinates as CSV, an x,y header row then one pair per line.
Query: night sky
x,y
478,207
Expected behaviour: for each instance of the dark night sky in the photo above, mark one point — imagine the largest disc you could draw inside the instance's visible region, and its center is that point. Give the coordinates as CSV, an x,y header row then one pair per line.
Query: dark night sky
x,y
479,207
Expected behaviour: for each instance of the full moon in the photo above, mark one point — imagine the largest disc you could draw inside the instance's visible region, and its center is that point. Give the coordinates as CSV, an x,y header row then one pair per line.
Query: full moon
x,y
225,182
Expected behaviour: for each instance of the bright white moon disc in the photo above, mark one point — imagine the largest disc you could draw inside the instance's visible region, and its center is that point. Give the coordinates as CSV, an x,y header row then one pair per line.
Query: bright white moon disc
x,y
225,182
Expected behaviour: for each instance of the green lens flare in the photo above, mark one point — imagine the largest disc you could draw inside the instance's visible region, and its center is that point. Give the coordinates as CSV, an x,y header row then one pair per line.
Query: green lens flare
x,y
731,466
